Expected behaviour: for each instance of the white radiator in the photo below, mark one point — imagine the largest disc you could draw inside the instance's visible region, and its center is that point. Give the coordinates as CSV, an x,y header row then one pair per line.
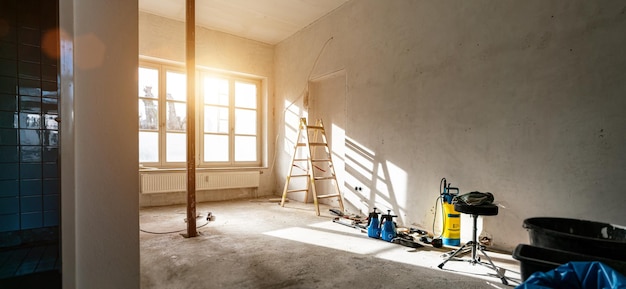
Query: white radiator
x,y
152,183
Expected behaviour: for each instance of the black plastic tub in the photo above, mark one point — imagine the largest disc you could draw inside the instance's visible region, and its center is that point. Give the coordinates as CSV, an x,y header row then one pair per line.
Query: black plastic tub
x,y
578,236
537,259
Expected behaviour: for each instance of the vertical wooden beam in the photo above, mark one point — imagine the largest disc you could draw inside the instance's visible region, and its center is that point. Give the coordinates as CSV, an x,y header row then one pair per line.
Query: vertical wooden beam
x,y
190,47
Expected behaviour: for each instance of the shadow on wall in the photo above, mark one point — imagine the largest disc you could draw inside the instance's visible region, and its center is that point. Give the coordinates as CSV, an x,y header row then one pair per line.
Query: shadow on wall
x,y
370,181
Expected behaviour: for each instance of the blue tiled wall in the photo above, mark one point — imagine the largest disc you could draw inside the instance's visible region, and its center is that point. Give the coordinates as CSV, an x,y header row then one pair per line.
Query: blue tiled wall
x,y
29,179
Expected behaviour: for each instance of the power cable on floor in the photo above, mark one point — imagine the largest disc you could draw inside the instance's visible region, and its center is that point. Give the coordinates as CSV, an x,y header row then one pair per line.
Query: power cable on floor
x,y
177,231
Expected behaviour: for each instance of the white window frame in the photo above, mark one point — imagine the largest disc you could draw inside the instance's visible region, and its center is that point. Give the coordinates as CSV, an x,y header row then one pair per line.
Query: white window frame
x,y
163,67
161,99
232,79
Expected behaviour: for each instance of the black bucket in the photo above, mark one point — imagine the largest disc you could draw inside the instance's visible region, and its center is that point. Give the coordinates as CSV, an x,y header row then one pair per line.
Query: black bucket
x,y
579,236
537,259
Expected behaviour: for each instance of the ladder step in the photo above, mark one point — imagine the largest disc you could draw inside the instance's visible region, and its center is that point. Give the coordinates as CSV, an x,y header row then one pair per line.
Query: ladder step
x,y
321,160
300,175
324,178
315,127
327,196
300,190
312,144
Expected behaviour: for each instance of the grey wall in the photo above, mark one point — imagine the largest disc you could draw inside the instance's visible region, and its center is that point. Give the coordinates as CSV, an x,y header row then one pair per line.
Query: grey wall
x,y
99,155
164,39
523,99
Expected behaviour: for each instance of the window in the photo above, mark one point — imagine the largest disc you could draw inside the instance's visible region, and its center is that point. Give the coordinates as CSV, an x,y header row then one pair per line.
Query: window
x,y
162,137
227,112
231,120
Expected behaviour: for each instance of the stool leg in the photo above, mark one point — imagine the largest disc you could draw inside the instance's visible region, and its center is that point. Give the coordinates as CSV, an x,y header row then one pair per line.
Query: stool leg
x,y
459,250
476,246
493,266
474,238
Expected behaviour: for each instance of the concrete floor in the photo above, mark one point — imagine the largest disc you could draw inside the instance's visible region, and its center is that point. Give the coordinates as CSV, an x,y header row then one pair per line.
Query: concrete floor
x,y
258,244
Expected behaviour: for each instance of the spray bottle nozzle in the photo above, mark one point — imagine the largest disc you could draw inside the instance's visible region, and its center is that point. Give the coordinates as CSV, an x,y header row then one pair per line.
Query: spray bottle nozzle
x,y
388,216
373,215
453,189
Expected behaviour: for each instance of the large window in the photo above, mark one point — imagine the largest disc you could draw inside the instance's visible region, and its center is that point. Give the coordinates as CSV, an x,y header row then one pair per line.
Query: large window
x,y
227,112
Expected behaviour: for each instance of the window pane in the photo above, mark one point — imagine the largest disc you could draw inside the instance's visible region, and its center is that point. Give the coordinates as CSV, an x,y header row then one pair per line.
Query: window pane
x,y
148,147
51,138
245,121
176,86
51,121
176,147
215,91
30,137
27,120
245,95
148,114
215,119
148,82
176,116
245,148
215,148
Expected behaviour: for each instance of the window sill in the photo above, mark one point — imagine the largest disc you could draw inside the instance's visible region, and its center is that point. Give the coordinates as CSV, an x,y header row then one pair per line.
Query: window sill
x,y
216,169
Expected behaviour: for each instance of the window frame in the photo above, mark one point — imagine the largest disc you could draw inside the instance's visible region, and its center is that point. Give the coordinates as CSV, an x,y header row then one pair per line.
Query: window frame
x,y
163,67
162,107
232,134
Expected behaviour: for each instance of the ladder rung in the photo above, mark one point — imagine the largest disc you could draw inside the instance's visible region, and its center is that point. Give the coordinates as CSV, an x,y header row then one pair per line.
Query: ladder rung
x,y
315,127
324,178
300,160
318,144
327,196
300,190
300,175
321,160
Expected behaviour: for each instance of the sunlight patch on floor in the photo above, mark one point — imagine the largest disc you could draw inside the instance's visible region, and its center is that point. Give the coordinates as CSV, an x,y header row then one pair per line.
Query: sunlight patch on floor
x,y
335,236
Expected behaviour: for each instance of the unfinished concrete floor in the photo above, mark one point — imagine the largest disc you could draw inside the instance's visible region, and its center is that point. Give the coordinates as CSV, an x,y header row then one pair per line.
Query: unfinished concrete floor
x,y
256,243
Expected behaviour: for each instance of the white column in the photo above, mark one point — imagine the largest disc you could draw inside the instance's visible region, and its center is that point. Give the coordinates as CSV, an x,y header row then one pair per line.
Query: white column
x,y
99,143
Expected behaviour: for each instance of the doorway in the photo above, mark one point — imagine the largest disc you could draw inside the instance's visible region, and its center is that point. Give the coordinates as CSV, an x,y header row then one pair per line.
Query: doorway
x,y
327,101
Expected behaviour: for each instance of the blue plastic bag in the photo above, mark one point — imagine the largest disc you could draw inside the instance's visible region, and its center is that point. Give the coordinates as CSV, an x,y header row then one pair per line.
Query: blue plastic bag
x,y
576,275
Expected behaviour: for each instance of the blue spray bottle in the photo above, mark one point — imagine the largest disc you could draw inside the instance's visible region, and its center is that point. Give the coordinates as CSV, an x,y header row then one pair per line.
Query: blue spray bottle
x,y
388,231
373,226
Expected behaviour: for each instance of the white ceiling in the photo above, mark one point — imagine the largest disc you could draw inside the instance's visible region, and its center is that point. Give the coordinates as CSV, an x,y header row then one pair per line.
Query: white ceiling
x,y
269,21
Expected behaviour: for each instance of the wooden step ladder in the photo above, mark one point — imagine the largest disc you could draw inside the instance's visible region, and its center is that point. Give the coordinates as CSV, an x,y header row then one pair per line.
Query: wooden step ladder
x,y
313,140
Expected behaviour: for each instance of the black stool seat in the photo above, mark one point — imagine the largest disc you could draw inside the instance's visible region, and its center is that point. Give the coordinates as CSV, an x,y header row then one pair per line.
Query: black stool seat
x,y
482,210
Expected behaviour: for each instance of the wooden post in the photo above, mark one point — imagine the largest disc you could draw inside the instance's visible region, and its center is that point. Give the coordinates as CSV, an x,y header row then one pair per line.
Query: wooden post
x,y
190,47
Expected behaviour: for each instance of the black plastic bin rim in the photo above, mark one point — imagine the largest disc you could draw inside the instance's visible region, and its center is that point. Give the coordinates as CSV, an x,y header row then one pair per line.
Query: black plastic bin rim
x,y
528,226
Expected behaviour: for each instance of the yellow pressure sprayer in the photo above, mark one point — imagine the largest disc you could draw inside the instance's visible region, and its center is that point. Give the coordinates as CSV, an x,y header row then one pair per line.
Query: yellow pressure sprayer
x,y
451,219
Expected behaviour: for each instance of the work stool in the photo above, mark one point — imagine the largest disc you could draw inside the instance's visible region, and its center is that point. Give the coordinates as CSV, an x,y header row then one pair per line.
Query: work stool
x,y
475,211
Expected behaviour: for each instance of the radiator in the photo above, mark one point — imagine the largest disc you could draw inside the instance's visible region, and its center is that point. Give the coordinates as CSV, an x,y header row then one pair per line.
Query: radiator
x,y
152,183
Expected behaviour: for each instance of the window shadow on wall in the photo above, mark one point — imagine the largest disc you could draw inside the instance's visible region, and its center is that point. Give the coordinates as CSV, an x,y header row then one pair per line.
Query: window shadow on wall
x,y
369,180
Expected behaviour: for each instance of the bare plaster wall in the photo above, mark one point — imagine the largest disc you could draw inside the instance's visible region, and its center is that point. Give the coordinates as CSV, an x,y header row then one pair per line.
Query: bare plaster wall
x,y
523,99
164,39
